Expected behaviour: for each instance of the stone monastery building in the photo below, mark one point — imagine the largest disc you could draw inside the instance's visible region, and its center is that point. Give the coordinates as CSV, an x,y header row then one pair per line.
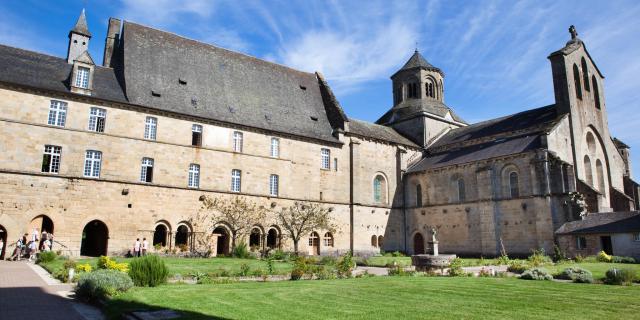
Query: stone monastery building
x,y
103,154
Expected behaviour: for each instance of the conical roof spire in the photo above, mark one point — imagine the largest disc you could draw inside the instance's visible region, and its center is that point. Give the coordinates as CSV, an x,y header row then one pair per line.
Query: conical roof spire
x,y
81,26
418,61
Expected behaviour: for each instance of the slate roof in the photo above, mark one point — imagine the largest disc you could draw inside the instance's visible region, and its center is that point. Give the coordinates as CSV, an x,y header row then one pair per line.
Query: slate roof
x,y
225,85
488,150
413,107
540,117
81,25
42,71
418,61
375,131
604,222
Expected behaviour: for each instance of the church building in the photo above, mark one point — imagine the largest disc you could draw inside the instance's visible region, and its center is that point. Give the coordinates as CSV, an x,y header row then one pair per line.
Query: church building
x,y
100,155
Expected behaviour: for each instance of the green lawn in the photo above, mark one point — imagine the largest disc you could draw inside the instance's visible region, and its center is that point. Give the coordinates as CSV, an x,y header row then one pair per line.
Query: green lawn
x,y
598,269
389,298
186,266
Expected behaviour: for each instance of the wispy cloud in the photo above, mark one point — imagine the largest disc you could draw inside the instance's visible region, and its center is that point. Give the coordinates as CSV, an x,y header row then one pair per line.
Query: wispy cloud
x,y
162,13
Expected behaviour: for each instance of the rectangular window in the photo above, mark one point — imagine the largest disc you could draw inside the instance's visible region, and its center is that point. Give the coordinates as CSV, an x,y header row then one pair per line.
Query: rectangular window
x,y
57,113
582,243
146,173
237,141
150,128
51,159
92,163
82,77
335,164
196,135
273,185
326,156
235,180
636,236
97,118
275,147
194,175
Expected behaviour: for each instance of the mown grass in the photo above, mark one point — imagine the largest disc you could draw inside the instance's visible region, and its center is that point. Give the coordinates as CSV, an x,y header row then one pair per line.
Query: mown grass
x,y
187,266
388,298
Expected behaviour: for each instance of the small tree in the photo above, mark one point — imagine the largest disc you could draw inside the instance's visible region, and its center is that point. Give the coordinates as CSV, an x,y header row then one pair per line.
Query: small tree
x,y
303,218
202,225
238,213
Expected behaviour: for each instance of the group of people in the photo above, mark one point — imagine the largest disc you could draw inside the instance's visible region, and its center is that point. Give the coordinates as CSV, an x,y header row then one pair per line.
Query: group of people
x,y
30,245
140,248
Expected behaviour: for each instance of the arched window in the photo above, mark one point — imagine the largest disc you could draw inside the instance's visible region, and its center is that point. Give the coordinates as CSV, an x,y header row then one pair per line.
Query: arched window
x,y
418,196
588,171
585,74
412,90
379,189
596,92
591,142
514,189
328,239
380,241
460,190
374,241
600,176
576,81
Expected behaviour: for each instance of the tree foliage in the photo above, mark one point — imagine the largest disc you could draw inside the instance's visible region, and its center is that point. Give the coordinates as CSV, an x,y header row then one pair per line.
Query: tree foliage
x,y
302,218
237,213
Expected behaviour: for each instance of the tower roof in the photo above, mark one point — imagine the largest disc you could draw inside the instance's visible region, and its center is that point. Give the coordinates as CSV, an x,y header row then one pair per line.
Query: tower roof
x,y
81,26
418,61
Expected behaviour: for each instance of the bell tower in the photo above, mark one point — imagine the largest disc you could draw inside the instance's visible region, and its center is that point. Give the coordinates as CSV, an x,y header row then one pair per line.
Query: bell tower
x,y
79,38
418,111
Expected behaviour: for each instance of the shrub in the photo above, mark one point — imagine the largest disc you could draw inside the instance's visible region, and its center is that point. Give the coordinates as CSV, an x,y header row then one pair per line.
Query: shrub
x,y
536,274
618,259
101,284
148,271
325,274
620,276
84,267
576,274
328,260
241,251
278,255
46,256
397,271
455,268
517,266
105,262
345,265
558,254
603,257
296,274
503,260
538,258
183,247
300,267
244,270
579,258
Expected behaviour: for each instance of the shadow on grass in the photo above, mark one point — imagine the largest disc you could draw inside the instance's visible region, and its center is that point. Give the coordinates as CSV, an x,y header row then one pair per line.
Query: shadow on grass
x,y
117,309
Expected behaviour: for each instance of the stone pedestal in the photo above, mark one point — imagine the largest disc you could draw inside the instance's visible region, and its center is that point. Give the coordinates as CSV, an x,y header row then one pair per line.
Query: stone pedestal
x,y
427,262
434,247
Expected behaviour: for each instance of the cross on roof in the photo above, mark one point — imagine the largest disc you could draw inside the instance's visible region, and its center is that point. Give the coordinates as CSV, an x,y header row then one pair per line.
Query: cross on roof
x,y
573,32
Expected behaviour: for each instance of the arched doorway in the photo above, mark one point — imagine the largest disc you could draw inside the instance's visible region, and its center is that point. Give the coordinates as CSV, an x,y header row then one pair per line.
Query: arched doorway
x,y
273,239
42,223
418,244
3,241
95,237
255,239
161,235
314,244
223,241
182,236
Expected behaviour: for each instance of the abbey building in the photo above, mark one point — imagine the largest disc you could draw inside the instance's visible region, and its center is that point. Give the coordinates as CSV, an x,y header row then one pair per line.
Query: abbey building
x,y
100,155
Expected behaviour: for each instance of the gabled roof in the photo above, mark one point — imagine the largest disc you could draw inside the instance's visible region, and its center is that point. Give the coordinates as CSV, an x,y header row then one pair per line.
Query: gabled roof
x,y
199,79
418,61
378,132
476,152
542,118
37,70
81,26
603,222
85,57
410,108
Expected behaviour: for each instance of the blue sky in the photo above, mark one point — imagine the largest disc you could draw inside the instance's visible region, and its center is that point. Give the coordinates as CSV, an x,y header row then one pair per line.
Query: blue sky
x,y
494,53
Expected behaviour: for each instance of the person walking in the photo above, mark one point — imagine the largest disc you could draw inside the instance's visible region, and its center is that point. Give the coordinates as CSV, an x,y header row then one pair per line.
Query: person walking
x,y
145,246
136,248
17,252
32,250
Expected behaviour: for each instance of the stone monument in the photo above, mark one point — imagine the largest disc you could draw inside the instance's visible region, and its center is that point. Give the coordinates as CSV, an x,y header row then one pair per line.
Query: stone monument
x,y
428,262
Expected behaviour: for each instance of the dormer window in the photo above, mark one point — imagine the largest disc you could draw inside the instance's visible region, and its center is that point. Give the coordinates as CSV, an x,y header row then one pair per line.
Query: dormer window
x,y
82,78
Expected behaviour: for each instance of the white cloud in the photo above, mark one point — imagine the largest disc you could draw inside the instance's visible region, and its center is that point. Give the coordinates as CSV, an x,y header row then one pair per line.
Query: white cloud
x,y
162,13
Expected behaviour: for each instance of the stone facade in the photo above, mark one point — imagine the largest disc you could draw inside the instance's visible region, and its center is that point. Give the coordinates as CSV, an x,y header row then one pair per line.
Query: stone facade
x,y
498,186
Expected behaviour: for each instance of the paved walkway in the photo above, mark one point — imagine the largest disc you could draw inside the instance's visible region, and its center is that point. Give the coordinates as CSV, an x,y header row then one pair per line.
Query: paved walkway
x,y
25,295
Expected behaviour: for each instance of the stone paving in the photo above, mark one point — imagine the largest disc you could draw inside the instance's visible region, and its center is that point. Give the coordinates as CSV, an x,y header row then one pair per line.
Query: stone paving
x,y
25,295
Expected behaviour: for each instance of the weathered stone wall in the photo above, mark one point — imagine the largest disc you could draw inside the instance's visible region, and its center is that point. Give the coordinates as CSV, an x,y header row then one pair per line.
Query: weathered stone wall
x,y
623,244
